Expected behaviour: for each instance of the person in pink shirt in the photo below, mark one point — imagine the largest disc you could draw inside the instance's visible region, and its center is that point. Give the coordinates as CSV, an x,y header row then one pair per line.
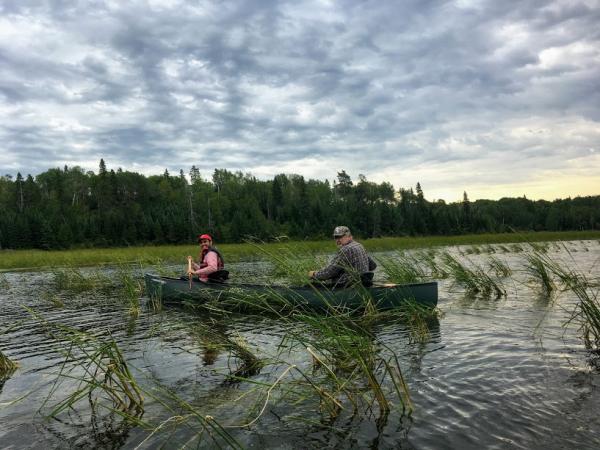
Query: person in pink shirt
x,y
211,261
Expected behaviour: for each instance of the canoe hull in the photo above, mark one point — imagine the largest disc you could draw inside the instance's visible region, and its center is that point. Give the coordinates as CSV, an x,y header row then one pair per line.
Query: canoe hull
x,y
177,291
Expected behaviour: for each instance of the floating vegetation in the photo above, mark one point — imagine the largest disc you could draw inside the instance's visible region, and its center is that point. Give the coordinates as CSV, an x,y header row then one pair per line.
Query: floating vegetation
x,y
540,247
53,298
476,281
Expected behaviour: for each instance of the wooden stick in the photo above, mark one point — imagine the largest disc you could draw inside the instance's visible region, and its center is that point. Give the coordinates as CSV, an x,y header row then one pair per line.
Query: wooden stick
x,y
190,272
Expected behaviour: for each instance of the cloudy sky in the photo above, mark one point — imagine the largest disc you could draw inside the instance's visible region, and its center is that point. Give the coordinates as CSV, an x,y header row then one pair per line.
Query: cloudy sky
x,y
498,98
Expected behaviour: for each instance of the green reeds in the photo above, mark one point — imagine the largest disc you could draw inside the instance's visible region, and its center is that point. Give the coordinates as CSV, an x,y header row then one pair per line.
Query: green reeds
x,y
290,262
131,288
499,267
7,366
74,281
587,310
475,281
537,269
357,373
4,284
403,268
102,374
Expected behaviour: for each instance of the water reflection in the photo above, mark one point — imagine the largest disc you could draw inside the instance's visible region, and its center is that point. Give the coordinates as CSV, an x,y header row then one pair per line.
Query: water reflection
x,y
110,430
486,374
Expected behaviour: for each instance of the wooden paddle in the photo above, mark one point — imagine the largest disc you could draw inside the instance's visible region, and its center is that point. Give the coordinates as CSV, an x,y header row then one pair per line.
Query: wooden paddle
x,y
190,272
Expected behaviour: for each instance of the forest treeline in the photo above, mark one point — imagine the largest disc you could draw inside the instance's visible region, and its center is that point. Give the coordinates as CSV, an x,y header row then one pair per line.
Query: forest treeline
x,y
64,208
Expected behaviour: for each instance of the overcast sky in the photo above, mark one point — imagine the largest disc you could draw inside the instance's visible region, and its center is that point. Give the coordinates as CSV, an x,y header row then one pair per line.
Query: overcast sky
x,y
496,98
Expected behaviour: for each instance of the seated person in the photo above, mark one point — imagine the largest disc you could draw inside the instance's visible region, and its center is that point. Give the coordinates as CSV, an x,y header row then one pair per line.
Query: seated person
x,y
349,264
211,266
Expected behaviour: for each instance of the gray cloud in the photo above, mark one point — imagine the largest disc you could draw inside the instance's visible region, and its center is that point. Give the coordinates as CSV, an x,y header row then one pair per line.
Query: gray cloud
x,y
386,89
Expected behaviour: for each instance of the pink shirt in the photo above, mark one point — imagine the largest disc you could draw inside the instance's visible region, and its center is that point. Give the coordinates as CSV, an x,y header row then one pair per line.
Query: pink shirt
x,y
212,265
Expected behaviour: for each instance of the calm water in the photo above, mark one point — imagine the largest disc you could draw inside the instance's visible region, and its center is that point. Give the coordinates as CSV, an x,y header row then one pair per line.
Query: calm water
x,y
493,374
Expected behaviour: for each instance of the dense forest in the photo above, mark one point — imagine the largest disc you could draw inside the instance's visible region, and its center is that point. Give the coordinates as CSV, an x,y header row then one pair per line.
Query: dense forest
x,y
63,208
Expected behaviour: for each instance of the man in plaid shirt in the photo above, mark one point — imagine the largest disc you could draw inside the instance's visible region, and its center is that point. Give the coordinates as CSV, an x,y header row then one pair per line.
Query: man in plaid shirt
x,y
350,262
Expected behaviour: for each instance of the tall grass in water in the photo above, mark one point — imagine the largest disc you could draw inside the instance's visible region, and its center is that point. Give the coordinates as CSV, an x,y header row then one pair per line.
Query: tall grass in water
x,y
499,267
537,267
586,313
350,373
130,288
74,281
96,370
290,262
100,370
476,280
428,259
403,268
7,366
4,284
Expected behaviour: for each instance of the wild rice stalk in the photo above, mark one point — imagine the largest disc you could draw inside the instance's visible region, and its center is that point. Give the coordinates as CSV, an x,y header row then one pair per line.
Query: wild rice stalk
x,y
4,284
475,281
130,288
403,268
499,267
289,262
537,269
587,311
7,366
428,259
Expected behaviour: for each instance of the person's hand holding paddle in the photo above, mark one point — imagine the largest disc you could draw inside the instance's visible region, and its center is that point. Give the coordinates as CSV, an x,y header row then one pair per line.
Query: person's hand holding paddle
x,y
190,271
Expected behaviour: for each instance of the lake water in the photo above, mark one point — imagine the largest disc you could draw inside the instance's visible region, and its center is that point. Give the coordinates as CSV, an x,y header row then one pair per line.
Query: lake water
x,y
493,373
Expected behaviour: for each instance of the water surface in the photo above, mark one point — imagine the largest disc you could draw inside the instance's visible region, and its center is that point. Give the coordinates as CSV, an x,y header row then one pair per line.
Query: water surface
x,y
494,373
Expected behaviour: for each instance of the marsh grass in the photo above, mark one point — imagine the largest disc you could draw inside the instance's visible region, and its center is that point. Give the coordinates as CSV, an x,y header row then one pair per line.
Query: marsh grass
x,y
7,366
537,267
95,369
74,281
290,262
214,338
101,373
130,287
473,278
23,259
4,284
403,267
357,375
499,267
586,313
428,258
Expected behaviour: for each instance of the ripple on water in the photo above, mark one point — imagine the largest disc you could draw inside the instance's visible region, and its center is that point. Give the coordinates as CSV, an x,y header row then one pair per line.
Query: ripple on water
x,y
493,374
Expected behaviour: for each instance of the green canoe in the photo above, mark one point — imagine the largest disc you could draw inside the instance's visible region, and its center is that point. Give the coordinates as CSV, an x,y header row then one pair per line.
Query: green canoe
x,y
384,296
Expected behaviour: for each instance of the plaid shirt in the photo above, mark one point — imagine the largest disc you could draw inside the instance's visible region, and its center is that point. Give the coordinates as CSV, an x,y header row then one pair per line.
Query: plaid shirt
x,y
347,265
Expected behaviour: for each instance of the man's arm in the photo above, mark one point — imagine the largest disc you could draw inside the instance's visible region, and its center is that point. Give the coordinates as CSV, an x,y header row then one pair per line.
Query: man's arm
x,y
332,270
